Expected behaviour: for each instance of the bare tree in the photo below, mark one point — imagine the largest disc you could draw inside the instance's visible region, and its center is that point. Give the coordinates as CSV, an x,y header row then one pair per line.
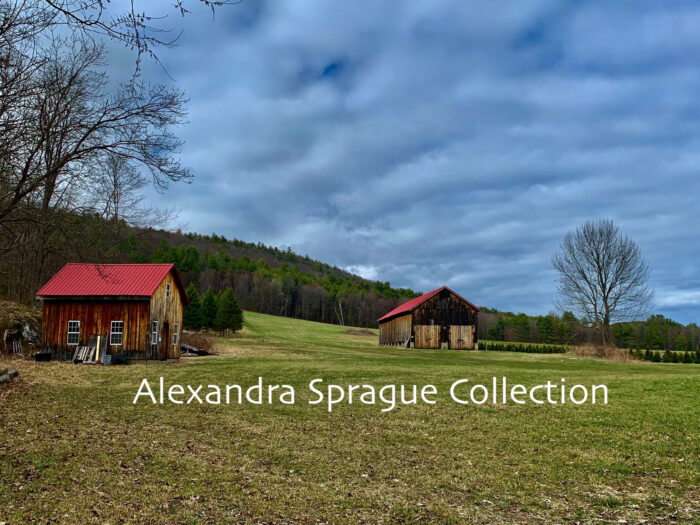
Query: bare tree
x,y
64,121
134,27
117,188
69,120
116,194
602,275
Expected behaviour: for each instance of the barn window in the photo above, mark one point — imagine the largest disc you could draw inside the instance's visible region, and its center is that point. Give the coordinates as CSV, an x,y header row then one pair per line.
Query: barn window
x,y
176,328
167,290
73,332
116,333
154,333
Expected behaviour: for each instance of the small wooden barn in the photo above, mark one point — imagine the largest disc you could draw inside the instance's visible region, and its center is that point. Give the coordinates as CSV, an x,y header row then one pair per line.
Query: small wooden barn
x,y
438,319
136,308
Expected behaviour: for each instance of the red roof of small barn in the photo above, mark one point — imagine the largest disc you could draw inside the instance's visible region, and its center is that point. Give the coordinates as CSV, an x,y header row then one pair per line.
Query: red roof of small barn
x,y
92,279
413,303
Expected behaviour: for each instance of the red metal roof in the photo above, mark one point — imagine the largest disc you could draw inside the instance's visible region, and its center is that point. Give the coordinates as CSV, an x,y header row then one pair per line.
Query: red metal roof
x,y
91,279
413,303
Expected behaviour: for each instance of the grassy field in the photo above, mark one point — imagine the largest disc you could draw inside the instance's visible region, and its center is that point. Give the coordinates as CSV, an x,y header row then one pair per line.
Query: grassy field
x,y
74,448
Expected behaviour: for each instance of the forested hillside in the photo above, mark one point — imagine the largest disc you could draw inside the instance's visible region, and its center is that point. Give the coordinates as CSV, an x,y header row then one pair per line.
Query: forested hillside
x,y
264,279
269,280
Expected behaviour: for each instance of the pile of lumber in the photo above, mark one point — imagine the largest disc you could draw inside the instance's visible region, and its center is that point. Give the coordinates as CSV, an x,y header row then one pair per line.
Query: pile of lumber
x,y
93,353
191,351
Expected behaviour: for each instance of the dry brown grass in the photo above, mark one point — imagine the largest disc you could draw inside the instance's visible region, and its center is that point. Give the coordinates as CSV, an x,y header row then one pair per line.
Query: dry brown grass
x,y
361,332
609,353
198,340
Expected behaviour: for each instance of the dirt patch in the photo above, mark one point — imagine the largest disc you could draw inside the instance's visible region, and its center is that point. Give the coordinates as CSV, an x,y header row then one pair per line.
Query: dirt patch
x,y
364,332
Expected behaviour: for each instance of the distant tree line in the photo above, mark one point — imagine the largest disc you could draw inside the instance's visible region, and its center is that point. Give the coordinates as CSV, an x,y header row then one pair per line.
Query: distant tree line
x,y
656,333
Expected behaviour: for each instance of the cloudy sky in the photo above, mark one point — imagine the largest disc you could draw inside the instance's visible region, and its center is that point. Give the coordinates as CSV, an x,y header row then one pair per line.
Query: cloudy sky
x,y
429,143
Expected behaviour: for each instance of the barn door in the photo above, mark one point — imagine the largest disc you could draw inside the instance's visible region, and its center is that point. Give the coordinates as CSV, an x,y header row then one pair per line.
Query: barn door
x,y
427,336
462,337
165,341
445,336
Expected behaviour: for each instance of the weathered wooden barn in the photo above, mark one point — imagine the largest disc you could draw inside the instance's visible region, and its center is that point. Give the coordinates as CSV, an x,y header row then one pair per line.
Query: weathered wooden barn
x,y
438,319
135,308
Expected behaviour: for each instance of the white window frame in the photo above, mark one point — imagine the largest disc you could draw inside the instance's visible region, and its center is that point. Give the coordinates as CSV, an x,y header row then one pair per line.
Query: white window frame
x,y
176,334
69,333
168,291
154,333
112,333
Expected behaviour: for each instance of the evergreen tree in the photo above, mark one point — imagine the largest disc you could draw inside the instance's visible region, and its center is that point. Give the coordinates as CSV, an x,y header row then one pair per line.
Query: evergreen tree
x,y
208,309
192,316
545,328
228,314
238,318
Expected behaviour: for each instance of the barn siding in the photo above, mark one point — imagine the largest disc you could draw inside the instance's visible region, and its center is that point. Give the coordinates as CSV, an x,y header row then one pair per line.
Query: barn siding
x,y
95,319
167,310
396,331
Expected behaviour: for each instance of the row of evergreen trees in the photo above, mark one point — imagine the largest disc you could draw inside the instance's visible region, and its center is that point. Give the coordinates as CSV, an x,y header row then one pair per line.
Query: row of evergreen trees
x,y
218,311
666,357
522,347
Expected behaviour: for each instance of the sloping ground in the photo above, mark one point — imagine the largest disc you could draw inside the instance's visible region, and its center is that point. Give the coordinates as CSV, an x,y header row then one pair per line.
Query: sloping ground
x,y
75,448
17,316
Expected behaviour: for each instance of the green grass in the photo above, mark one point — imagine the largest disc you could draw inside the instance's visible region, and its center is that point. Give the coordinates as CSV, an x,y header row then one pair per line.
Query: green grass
x,y
74,448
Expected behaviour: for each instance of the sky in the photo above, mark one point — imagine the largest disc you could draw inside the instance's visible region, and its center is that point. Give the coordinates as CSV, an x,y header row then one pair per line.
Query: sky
x,y
430,143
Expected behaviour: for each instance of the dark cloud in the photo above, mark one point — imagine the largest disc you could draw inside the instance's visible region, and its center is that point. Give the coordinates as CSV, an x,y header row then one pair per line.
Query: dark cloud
x,y
447,142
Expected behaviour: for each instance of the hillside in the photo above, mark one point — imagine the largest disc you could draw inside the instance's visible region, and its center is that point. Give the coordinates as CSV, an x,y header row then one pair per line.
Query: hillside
x,y
269,280
264,278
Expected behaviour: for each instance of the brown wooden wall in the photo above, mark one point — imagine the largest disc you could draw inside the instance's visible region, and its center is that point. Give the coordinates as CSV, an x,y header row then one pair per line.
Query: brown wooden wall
x,y
396,331
95,318
167,311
